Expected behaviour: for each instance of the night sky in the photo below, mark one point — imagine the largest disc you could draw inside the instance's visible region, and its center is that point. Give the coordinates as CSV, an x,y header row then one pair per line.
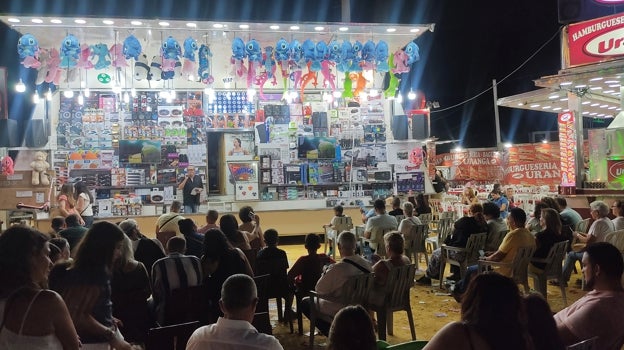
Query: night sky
x,y
473,43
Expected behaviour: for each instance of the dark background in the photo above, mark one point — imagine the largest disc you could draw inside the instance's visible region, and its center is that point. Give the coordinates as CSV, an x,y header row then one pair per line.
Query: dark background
x,y
474,42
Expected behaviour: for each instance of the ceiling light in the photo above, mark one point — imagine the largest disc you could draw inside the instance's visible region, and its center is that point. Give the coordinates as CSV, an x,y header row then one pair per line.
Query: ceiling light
x,y
546,107
595,104
14,20
612,107
611,82
595,79
585,113
319,28
585,102
191,25
520,104
56,21
563,99
566,83
596,88
552,97
535,105
35,98
390,30
294,27
163,24
593,114
274,27
580,86
600,115
614,85
608,91
544,141
604,106
108,22
411,95
136,23
219,26
557,109
241,26
37,20
80,21
68,94
48,95
343,29
457,149
414,30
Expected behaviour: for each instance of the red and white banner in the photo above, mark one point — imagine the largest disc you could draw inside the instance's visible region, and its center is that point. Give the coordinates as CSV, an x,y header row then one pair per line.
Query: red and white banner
x,y
615,171
533,164
567,148
477,165
596,40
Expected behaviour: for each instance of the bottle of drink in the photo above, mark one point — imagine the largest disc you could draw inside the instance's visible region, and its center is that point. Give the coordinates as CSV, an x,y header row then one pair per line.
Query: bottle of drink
x,y
367,252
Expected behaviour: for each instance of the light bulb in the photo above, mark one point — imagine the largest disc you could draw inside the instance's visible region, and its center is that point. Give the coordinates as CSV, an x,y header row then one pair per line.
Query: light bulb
x,y
126,97
80,99
163,94
48,95
68,94
373,93
36,98
169,98
251,93
226,85
133,92
191,77
20,87
87,92
411,95
399,98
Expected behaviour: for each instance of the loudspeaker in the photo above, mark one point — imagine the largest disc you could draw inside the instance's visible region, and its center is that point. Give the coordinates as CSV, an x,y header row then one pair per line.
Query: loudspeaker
x,y
420,126
399,127
9,137
36,135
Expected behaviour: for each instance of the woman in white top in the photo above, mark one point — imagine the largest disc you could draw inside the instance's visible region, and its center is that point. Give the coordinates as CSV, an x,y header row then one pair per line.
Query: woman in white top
x,y
406,225
84,202
31,317
618,210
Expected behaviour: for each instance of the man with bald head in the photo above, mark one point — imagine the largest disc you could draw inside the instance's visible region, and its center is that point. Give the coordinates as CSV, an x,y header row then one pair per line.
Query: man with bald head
x,y
239,298
191,187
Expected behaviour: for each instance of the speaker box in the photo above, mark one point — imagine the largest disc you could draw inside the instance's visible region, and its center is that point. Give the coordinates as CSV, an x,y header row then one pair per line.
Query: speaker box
x,y
9,137
399,127
420,126
36,134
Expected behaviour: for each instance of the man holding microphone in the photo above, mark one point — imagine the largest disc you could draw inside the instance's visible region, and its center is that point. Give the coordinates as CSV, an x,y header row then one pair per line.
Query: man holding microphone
x,y
191,187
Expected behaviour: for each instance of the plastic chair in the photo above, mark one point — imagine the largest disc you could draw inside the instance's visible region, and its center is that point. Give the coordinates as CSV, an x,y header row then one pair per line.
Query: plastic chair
x,y
617,239
399,217
588,344
344,223
355,291
417,244
443,229
182,305
397,298
410,345
470,255
277,287
552,270
262,322
519,266
425,218
170,337
582,226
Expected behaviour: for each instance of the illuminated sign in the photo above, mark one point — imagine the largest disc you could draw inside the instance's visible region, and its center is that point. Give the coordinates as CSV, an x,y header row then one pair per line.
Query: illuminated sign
x,y
610,2
596,40
567,149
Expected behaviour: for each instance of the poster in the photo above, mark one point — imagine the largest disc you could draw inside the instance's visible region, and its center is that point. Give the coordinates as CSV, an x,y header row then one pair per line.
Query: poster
x,y
473,164
238,146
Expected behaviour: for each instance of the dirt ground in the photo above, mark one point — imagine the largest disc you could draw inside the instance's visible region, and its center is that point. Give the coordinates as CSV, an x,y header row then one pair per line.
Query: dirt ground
x,y
431,307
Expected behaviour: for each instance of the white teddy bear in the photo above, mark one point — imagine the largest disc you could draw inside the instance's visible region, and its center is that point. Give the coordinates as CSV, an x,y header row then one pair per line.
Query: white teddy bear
x,y
39,167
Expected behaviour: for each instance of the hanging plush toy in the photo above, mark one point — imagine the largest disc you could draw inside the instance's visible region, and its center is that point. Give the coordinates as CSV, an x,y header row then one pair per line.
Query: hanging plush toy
x,y
282,54
101,54
70,52
117,56
346,56
7,166
238,55
334,52
156,68
254,58
381,53
204,65
356,63
28,50
83,61
368,55
189,66
400,62
170,51
268,63
296,63
321,52
50,70
412,52
141,68
131,47
393,83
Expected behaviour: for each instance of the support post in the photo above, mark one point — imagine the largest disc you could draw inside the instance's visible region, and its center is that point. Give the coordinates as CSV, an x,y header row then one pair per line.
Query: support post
x,y
496,115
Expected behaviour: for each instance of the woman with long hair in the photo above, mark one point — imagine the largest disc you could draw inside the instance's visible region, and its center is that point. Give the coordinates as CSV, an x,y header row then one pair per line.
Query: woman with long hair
x,y
31,316
85,286
550,234
84,202
422,205
534,224
219,261
352,329
229,226
492,318
541,324
66,202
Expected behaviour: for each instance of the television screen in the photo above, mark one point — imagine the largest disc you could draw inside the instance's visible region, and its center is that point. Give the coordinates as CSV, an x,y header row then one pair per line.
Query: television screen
x,y
317,147
139,151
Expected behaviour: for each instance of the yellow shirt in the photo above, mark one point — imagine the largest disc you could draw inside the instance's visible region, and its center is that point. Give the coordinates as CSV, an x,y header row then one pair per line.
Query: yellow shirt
x,y
518,238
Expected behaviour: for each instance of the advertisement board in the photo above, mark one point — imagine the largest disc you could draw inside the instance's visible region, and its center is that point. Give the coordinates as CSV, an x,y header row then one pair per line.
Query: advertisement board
x,y
596,40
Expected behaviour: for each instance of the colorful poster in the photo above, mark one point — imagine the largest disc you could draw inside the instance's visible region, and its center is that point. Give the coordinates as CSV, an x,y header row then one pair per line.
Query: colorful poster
x,y
239,146
567,148
473,165
532,164
596,40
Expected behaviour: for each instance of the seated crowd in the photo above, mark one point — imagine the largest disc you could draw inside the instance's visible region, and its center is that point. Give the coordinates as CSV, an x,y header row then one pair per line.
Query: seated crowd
x,y
109,284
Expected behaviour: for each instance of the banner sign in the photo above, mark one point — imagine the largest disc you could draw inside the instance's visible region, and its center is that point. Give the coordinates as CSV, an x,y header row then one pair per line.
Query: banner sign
x,y
567,148
596,40
473,164
533,164
615,171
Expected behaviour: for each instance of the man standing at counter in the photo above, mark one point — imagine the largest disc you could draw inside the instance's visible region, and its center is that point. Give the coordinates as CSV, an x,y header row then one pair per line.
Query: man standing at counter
x,y
191,187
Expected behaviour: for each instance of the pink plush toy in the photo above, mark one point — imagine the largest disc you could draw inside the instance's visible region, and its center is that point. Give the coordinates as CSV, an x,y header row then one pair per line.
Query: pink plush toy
x,y
116,52
7,166
53,68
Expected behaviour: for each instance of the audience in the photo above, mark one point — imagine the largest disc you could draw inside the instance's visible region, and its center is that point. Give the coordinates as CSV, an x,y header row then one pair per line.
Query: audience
x,y
85,285
469,196
211,221
272,260
501,202
174,271
422,205
533,224
237,238
194,240
597,233
395,258
376,225
168,222
330,228
541,324
31,316
233,330
251,227
56,225
396,207
491,318
569,216
406,227
495,224
463,229
618,211
61,248
352,329
546,238
73,232
330,283
130,288
219,261
84,203
67,203
145,250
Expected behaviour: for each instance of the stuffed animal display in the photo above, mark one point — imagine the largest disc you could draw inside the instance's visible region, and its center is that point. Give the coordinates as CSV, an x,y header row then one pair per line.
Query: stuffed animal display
x,y
7,165
28,51
39,166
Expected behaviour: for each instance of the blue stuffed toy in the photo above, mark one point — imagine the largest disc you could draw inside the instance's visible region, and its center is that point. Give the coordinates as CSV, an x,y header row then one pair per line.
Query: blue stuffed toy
x,y
368,55
70,52
356,63
101,52
412,52
238,55
204,65
381,51
131,47
190,47
28,50
346,56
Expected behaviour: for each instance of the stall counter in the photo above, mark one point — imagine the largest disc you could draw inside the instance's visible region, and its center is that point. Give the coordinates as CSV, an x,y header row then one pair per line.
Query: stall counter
x,y
286,222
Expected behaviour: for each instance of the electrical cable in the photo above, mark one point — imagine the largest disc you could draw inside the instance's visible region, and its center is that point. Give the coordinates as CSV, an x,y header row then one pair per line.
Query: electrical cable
x,y
505,78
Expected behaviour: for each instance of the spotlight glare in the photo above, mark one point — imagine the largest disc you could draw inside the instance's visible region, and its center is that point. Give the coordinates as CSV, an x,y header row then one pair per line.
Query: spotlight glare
x,y
508,145
35,98
411,95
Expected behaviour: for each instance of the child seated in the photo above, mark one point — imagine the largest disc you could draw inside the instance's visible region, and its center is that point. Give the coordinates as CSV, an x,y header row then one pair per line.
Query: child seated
x,y
273,261
330,228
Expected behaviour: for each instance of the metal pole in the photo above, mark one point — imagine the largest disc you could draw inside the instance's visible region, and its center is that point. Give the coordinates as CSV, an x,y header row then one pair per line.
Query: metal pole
x,y
346,11
496,116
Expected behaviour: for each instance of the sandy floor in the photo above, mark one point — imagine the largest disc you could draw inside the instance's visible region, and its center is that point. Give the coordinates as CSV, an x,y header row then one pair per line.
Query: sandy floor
x,y
432,309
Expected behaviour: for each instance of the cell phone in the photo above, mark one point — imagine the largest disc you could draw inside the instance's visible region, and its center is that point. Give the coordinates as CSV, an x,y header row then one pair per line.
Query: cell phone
x,y
252,215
